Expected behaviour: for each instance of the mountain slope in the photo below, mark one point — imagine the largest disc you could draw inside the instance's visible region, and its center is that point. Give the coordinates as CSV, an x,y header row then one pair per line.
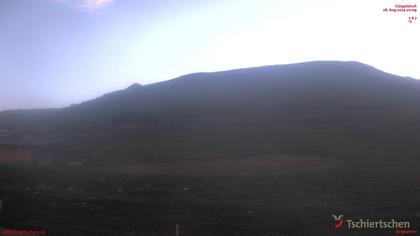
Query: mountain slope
x,y
343,109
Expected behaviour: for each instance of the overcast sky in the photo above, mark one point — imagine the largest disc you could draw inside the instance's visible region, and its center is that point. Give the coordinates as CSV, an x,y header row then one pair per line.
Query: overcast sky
x,y
57,52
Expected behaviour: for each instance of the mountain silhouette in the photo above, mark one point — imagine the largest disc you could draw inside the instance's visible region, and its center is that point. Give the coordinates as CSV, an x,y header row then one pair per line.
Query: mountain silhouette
x,y
325,108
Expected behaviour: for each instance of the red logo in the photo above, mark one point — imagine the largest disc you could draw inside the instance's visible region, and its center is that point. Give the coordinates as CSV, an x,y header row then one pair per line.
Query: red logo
x,y
339,221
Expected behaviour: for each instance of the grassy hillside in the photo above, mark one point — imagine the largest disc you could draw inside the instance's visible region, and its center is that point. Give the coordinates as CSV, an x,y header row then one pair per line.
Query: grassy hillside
x,y
340,109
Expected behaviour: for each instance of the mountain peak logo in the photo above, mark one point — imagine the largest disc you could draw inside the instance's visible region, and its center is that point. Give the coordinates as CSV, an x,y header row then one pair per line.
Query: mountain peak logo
x,y
339,221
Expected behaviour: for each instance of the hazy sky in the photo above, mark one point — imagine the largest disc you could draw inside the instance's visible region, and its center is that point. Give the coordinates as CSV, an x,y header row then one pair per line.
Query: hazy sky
x,y
57,52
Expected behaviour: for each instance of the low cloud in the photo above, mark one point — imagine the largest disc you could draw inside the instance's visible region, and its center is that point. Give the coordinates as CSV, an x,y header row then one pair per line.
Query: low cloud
x,y
85,5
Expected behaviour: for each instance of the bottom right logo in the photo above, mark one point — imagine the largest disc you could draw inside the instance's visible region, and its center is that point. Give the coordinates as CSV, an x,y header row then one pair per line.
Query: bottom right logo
x,y
399,226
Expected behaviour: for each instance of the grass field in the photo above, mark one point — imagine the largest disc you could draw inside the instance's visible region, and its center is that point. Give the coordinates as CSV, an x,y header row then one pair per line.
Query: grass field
x,y
265,195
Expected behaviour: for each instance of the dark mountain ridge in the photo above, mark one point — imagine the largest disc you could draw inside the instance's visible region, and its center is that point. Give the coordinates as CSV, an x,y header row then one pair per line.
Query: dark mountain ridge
x,y
314,80
328,107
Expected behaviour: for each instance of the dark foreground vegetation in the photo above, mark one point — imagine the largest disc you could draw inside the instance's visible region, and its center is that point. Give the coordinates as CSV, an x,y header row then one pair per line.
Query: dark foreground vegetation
x,y
84,201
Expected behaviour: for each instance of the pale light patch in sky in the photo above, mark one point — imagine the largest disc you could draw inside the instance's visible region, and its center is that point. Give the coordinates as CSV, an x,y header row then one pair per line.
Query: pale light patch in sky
x,y
340,30
277,32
